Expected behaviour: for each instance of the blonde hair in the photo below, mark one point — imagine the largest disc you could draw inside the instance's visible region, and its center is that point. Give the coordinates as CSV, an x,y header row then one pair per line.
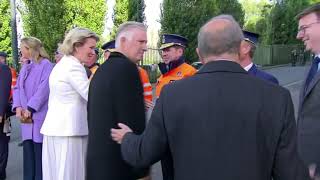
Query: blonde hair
x,y
76,37
35,48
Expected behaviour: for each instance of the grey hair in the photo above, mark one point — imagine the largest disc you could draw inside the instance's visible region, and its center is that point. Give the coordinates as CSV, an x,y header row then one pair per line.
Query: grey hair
x,y
124,30
220,41
76,37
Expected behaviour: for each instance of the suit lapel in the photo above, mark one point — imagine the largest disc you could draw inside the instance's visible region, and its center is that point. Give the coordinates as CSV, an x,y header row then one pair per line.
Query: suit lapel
x,y
313,82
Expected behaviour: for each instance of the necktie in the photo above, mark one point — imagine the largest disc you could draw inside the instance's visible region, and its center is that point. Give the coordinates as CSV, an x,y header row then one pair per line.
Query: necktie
x,y
313,70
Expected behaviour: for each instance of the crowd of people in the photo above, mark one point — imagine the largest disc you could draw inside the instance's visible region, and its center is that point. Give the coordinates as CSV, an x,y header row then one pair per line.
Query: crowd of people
x,y
228,120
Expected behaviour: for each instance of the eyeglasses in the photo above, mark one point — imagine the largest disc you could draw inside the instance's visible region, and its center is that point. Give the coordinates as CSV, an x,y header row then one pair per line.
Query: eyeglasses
x,y
303,29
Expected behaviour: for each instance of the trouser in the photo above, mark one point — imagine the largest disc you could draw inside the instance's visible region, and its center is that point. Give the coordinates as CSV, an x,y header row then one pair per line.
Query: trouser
x,y
32,160
4,152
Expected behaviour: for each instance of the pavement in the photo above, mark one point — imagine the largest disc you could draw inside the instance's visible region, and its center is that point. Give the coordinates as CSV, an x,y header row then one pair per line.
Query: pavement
x,y
289,77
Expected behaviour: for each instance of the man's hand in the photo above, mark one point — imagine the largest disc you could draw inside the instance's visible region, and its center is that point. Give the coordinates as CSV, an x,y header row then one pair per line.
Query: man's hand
x,y
312,172
118,134
148,104
1,119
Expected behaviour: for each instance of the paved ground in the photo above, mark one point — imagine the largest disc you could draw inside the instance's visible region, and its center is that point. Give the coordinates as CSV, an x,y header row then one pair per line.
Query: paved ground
x,y
289,77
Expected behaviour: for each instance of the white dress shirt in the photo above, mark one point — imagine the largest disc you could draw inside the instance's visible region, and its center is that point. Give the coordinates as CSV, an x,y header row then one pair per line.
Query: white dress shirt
x,y
247,68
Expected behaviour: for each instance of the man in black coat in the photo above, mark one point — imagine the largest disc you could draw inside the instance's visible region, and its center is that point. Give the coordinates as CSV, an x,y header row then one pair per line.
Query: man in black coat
x,y
221,123
116,95
5,87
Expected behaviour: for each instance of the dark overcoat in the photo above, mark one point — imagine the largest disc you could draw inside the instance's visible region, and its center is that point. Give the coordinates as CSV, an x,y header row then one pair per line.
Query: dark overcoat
x,y
115,95
221,124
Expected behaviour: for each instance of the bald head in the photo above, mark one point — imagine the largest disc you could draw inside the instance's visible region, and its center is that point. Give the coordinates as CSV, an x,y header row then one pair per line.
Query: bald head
x,y
220,36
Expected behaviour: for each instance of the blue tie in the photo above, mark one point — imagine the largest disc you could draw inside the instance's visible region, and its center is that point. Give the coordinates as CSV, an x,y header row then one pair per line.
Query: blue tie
x,y
313,70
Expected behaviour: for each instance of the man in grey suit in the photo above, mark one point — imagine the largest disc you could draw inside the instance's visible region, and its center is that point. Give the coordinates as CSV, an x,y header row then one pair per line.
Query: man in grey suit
x,y
231,129
309,106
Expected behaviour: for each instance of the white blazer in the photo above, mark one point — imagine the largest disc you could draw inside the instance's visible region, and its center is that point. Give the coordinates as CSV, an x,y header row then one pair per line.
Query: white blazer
x,y
67,112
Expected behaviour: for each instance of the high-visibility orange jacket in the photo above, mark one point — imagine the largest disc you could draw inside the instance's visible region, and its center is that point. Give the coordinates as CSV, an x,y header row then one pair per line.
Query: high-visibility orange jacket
x,y
182,71
14,80
94,68
147,88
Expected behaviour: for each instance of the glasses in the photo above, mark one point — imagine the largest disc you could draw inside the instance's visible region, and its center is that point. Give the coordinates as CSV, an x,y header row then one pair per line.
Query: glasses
x,y
303,29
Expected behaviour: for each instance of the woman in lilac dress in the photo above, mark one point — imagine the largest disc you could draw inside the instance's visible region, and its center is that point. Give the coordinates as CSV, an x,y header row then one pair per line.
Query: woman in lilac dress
x,y
30,100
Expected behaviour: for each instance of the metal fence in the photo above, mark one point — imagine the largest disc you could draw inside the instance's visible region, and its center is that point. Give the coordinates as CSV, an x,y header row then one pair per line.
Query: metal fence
x,y
281,54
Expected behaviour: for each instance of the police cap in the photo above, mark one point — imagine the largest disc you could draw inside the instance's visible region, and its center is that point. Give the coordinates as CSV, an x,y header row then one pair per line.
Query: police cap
x,y
169,40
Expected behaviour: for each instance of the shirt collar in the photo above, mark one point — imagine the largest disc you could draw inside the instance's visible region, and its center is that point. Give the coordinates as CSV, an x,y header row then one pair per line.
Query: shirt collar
x,y
247,68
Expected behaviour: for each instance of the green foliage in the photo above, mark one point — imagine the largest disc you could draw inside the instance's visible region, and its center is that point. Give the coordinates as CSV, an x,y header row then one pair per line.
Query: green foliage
x,y
254,13
85,13
120,15
44,19
48,20
136,10
185,17
232,7
5,30
281,24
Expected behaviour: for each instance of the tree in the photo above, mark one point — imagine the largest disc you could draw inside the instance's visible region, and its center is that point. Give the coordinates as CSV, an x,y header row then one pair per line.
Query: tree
x,y
48,20
281,27
176,18
86,13
254,12
232,7
44,19
5,30
136,10
120,15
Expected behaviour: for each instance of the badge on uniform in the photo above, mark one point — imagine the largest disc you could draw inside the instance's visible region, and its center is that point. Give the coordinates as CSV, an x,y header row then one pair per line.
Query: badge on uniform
x,y
179,74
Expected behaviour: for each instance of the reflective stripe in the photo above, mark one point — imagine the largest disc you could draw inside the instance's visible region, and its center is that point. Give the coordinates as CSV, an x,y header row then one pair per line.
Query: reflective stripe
x,y
147,93
146,85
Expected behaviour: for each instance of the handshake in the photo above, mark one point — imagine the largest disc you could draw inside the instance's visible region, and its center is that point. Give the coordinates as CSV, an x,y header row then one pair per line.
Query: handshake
x,y
24,115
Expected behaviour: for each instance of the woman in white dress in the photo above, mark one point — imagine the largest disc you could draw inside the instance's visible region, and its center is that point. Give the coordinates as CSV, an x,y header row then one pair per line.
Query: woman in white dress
x,y
65,127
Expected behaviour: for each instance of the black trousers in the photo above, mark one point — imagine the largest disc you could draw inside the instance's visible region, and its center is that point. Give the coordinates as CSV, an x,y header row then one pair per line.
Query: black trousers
x,y
32,160
4,152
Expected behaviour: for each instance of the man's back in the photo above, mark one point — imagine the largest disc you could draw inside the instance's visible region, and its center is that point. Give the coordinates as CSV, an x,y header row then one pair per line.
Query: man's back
x,y
115,95
223,124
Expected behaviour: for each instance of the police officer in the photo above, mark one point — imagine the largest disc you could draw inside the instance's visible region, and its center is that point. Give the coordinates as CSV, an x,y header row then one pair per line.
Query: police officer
x,y
107,48
92,63
173,66
246,55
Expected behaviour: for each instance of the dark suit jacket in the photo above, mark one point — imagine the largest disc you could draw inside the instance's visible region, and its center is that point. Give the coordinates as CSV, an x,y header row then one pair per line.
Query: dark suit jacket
x,y
262,75
115,95
309,122
5,87
221,124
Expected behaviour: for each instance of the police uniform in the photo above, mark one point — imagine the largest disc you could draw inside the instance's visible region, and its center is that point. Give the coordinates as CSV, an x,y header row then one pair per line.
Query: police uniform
x,y
252,68
90,70
109,46
176,69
